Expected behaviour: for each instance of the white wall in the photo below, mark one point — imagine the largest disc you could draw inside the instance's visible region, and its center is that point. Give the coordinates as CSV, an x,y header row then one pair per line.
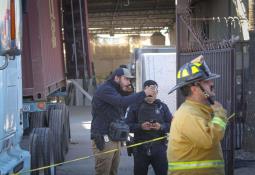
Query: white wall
x,y
160,67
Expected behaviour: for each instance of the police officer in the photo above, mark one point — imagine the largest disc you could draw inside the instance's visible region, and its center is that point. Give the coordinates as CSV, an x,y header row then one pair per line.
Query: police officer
x,y
149,119
107,108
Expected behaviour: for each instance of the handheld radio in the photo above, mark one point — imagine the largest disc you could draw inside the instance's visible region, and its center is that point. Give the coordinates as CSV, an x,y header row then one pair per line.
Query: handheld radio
x,y
210,100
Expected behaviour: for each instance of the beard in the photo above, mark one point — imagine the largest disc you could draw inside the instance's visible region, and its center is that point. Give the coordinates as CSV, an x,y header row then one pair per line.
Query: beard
x,y
124,88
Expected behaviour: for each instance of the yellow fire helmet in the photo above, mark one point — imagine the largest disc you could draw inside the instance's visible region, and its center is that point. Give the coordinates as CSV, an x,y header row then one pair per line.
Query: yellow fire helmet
x,y
194,71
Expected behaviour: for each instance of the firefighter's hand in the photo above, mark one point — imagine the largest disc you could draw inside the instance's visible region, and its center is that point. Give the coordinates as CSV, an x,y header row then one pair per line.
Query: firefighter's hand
x,y
146,126
150,91
219,111
155,126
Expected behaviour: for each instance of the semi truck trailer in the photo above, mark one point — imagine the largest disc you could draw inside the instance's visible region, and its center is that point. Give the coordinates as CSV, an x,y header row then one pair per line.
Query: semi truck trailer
x,y
32,87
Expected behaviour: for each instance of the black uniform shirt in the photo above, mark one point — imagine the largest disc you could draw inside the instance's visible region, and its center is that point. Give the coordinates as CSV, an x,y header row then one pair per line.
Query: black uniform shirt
x,y
161,115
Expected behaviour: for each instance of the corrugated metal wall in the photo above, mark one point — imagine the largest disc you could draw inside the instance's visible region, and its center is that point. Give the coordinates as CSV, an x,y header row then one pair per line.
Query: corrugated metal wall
x,y
43,63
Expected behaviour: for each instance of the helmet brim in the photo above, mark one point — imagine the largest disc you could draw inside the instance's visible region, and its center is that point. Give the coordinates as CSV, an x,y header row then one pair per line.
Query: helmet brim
x,y
211,77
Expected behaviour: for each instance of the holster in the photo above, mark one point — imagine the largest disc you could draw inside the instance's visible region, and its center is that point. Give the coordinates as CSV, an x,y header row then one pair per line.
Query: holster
x,y
99,141
130,150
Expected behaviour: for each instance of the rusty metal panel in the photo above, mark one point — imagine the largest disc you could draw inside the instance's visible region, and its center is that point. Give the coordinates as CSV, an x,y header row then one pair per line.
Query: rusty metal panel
x,y
27,78
221,61
43,60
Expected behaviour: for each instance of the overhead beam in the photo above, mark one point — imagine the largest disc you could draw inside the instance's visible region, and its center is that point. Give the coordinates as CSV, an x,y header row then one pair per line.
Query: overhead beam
x,y
138,15
144,13
99,6
150,18
125,31
132,23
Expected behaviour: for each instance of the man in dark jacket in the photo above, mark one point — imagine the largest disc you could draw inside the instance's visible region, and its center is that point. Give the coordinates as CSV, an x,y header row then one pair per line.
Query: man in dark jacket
x,y
148,120
107,107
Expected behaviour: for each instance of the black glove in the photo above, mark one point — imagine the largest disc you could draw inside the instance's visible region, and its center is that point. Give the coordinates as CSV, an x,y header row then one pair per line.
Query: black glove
x,y
99,141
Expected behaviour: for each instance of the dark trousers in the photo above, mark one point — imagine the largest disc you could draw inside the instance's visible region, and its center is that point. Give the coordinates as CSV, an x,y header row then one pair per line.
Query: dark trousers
x,y
157,159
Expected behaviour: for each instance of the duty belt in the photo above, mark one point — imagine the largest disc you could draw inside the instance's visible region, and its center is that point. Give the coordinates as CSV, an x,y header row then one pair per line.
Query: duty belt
x,y
174,166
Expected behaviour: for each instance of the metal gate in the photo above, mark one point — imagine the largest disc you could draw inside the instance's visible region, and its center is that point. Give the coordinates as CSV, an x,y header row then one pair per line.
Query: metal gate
x,y
220,61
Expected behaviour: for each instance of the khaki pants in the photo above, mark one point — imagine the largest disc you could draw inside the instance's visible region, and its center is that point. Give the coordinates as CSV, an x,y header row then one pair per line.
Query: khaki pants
x,y
107,164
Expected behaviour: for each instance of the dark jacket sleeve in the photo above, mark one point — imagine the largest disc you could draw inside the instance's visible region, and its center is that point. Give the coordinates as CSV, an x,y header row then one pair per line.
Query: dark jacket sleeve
x,y
132,119
165,127
111,96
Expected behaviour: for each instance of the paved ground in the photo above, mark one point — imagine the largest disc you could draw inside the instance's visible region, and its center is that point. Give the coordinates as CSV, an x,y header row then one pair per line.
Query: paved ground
x,y
245,171
81,146
244,163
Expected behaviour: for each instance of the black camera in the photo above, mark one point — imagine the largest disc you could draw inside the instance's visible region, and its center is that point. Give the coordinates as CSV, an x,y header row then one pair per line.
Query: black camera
x,y
118,131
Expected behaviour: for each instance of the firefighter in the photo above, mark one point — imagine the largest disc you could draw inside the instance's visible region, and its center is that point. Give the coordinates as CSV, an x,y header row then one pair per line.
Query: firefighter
x,y
198,125
148,120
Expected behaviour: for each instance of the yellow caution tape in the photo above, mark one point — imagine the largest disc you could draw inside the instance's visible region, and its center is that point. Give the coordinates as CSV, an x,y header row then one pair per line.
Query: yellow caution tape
x,y
98,154
87,157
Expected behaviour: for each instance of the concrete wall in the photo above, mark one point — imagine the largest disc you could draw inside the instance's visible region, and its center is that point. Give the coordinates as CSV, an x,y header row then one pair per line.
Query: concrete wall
x,y
107,57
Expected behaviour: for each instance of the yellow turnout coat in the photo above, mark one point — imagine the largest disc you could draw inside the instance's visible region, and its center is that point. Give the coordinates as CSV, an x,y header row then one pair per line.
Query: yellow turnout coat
x,y
194,144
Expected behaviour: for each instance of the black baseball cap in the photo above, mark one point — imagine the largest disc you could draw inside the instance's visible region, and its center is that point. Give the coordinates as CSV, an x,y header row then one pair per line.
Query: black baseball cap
x,y
149,82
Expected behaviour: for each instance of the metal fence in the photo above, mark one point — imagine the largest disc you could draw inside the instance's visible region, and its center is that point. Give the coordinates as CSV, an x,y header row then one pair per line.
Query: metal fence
x,y
220,61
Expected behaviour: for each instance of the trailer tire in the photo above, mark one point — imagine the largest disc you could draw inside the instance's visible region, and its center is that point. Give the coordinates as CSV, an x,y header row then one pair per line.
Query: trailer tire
x,y
33,149
41,148
37,119
56,124
66,123
67,130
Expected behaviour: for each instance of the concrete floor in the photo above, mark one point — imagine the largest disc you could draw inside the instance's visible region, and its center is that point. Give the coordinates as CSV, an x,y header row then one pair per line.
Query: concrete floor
x,y
245,171
80,118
